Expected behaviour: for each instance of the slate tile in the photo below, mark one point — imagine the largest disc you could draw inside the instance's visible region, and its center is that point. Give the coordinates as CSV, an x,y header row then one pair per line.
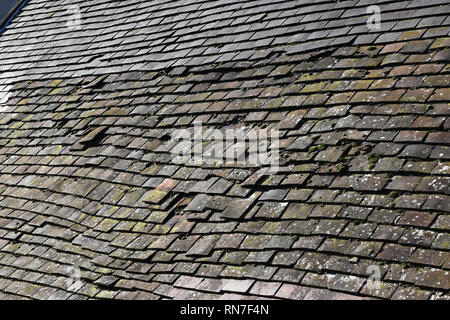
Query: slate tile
x,y
154,196
258,242
434,278
274,194
335,245
391,98
311,261
394,252
386,232
346,283
259,257
271,210
286,258
442,222
297,211
417,237
437,202
362,231
416,218
407,183
229,241
199,203
203,246
311,242
434,184
188,282
410,293
236,209
279,242
265,289
384,291
365,248
239,286
289,275
368,182
429,257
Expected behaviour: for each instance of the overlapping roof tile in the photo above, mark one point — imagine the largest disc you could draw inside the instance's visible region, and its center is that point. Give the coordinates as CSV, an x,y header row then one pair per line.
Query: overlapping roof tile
x,y
94,204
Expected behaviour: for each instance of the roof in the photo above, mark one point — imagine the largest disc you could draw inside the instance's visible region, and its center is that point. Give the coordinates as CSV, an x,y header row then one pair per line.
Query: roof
x,y
93,205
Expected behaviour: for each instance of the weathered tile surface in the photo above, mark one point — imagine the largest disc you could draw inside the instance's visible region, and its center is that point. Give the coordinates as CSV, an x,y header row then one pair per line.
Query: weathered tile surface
x,y
98,202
